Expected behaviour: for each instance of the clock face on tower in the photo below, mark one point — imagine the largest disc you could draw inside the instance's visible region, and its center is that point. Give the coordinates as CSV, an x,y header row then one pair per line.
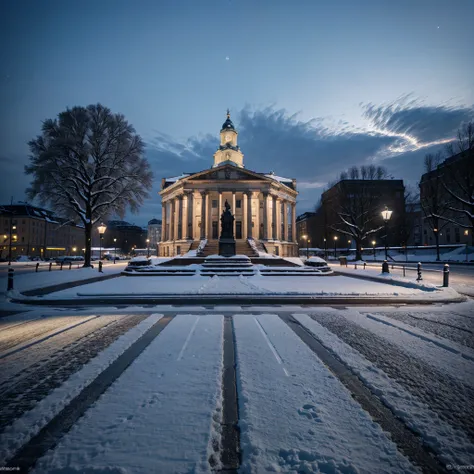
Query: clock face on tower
x,y
228,137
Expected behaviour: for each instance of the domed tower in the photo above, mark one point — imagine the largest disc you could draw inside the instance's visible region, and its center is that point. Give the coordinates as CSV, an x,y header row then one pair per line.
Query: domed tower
x,y
228,151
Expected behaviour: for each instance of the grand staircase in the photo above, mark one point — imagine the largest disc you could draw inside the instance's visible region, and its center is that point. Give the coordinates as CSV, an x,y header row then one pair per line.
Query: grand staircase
x,y
242,247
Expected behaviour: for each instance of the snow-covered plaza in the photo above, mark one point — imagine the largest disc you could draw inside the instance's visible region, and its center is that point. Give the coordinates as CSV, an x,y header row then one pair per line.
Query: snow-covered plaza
x,y
350,386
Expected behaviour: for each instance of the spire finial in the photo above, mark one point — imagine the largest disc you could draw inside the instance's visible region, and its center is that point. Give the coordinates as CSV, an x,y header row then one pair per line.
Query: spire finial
x,y
228,113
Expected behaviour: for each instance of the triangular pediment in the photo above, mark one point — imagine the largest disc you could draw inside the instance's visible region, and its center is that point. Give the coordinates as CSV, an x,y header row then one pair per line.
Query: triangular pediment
x,y
227,172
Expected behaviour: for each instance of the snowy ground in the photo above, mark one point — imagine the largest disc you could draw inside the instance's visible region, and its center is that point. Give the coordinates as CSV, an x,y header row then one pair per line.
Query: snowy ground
x,y
162,414
31,280
282,285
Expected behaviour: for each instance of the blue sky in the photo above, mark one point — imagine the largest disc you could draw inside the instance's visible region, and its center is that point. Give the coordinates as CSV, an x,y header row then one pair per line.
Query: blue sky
x,y
313,86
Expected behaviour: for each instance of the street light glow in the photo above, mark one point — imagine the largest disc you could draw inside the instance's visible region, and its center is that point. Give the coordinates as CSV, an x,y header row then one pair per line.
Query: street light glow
x,y
386,214
102,228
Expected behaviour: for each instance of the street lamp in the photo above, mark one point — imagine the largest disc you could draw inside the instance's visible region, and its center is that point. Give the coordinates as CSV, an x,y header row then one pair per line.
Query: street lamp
x,y
102,228
304,237
148,248
349,242
325,249
335,247
373,245
466,233
115,249
307,248
386,215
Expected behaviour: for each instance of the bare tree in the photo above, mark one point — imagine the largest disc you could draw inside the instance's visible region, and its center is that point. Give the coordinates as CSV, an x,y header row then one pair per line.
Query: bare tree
x,y
88,164
433,198
458,179
358,208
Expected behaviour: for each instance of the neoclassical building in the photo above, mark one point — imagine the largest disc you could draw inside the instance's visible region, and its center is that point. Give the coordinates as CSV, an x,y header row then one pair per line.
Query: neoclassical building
x,y
263,204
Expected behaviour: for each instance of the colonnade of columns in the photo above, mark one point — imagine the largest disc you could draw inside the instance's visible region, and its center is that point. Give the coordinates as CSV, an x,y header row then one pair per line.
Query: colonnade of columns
x,y
180,225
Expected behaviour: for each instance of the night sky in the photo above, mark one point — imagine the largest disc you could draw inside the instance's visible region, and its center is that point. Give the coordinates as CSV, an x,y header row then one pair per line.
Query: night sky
x,y
313,86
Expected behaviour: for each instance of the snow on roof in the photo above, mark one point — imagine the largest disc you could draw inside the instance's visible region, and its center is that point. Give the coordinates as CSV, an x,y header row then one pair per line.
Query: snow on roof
x,y
177,178
279,178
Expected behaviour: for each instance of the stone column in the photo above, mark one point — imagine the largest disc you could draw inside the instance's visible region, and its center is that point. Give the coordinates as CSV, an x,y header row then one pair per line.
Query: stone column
x,y
274,218
209,215
244,215
278,219
254,209
172,218
219,214
189,220
285,221
265,216
163,221
293,222
180,219
203,215
233,212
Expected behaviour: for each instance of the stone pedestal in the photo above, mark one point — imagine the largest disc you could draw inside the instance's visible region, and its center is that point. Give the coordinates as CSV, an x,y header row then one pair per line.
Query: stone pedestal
x,y
226,247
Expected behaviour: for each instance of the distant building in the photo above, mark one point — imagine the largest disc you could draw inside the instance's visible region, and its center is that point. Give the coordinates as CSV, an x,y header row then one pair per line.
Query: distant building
x,y
154,233
449,232
307,228
382,192
128,236
35,231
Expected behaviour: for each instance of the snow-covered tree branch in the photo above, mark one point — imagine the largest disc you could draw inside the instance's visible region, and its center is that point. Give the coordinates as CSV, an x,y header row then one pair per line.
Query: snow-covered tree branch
x,y
88,164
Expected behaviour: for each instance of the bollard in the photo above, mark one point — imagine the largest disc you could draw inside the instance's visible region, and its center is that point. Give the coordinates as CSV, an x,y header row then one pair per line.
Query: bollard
x,y
61,267
355,266
346,263
418,269
393,266
37,266
385,268
364,265
446,275
100,267
10,279
403,270
50,265
70,265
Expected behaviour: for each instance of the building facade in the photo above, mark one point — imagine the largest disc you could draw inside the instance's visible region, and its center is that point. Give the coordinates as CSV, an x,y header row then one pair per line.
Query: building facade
x,y
263,204
154,233
121,235
452,227
33,231
363,200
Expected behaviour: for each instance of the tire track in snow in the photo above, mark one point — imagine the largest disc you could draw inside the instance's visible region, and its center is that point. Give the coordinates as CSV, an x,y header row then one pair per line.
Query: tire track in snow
x,y
407,442
49,436
271,346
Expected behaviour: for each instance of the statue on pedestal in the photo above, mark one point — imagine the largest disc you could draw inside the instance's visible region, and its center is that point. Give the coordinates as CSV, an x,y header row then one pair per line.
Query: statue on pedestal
x,y
226,240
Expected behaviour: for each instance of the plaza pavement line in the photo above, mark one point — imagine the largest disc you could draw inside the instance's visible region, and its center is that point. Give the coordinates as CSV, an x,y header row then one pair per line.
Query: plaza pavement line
x,y
247,299
64,286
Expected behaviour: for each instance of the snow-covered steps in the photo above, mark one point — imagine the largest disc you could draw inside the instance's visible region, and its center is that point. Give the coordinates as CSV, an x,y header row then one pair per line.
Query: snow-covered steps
x,y
292,271
161,271
227,266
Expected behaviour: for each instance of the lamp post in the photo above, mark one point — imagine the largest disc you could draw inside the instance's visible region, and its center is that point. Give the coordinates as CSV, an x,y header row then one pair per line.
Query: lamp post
x,y
466,233
335,247
102,228
325,249
373,245
115,249
307,248
386,215
349,242
148,248
304,237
